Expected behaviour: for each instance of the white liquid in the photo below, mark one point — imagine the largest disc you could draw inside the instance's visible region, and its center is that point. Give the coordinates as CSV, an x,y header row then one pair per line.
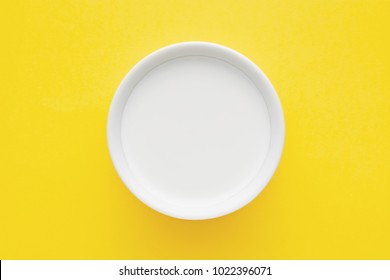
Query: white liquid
x,y
195,131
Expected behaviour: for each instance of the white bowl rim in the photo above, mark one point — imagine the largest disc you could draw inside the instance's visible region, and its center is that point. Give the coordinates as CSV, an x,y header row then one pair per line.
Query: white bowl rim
x,y
253,72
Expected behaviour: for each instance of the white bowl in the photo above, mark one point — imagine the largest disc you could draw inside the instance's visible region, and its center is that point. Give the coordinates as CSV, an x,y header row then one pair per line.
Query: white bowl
x,y
195,130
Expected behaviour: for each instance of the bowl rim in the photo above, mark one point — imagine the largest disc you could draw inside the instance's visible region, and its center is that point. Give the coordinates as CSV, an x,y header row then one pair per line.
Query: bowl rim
x,y
264,86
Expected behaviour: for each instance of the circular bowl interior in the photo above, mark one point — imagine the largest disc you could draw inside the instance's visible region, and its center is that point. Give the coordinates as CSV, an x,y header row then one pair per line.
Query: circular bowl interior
x,y
195,130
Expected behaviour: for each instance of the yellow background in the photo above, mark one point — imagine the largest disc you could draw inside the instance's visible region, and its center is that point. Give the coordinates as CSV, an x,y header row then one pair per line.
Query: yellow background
x,y
61,62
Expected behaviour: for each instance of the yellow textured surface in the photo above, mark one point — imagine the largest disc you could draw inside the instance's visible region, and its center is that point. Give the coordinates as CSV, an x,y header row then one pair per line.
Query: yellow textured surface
x,y
61,62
